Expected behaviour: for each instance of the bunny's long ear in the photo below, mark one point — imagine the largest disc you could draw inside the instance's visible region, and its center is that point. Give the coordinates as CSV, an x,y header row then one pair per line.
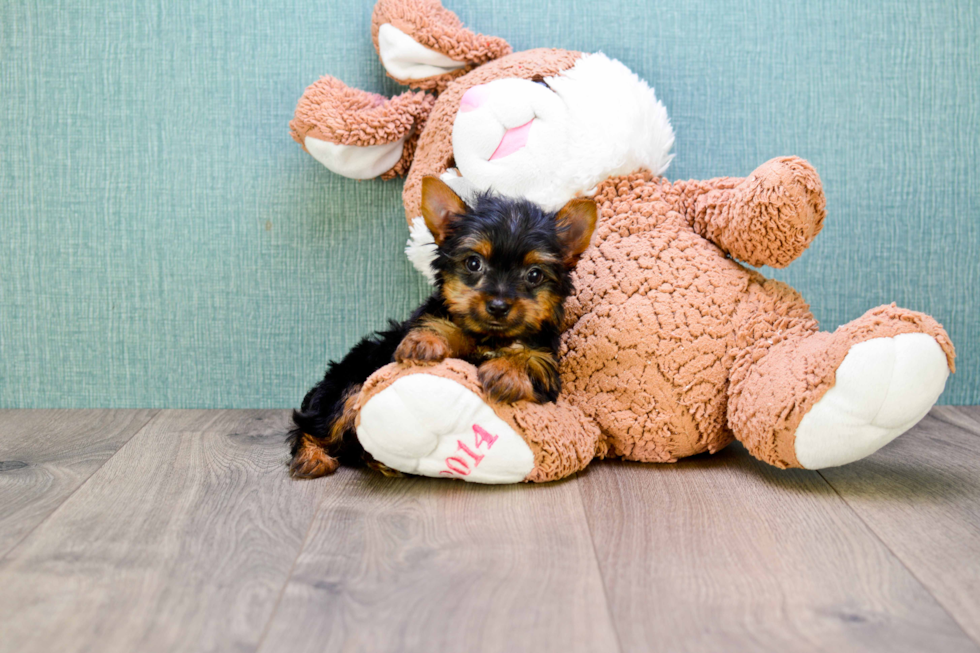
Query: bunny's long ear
x,y
424,45
358,134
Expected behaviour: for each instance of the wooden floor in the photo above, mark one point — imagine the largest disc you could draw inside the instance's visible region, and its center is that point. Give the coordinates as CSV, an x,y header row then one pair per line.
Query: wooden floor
x,y
180,531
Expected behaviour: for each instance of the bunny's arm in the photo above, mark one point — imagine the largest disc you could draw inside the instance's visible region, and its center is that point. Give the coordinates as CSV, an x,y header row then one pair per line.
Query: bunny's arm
x,y
767,218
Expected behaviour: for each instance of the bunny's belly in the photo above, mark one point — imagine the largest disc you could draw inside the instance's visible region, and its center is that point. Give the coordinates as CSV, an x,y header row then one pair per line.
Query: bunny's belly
x,y
649,355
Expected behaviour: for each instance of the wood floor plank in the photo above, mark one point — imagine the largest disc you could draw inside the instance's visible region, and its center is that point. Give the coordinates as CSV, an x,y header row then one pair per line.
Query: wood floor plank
x,y
182,541
45,455
433,565
724,553
921,496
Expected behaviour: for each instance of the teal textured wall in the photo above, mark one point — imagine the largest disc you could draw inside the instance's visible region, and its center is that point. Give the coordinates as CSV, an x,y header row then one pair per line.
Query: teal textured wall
x,y
163,242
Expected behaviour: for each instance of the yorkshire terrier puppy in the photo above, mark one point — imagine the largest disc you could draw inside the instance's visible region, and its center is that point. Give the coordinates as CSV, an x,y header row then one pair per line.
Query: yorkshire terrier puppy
x,y
503,271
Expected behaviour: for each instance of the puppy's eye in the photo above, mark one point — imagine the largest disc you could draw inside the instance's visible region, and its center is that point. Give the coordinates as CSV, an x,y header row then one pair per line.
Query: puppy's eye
x,y
534,276
473,263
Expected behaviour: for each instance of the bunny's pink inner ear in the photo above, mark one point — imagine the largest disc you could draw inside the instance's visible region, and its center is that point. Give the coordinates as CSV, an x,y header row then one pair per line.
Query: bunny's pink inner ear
x,y
358,134
424,45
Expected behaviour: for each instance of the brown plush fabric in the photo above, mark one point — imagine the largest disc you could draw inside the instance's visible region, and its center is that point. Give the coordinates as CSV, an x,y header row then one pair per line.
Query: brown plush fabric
x,y
439,29
762,220
668,346
672,348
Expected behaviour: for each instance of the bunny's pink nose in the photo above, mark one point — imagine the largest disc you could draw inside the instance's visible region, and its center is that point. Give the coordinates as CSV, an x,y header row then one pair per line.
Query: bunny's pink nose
x,y
473,98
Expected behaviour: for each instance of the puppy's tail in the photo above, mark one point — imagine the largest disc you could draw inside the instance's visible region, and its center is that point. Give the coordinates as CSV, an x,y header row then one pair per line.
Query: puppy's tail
x,y
324,435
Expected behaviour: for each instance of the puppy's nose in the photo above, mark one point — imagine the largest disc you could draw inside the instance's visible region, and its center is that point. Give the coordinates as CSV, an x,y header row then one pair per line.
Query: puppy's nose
x,y
473,98
498,307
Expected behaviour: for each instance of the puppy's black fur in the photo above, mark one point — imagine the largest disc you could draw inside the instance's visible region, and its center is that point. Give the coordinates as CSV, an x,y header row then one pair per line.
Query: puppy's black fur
x,y
503,270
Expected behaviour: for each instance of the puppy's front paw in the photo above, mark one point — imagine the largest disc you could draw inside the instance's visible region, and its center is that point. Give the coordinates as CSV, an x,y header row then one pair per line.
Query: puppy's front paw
x,y
505,381
544,377
422,346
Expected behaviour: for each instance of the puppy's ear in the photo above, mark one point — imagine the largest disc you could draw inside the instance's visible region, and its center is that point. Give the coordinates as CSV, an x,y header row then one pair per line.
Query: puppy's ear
x,y
576,222
440,206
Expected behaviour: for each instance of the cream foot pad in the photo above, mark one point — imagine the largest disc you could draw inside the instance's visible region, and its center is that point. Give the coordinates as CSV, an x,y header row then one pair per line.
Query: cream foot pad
x,y
432,426
884,387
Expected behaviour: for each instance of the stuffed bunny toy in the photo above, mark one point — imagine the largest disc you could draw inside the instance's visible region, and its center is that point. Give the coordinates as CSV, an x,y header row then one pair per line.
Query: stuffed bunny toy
x,y
672,347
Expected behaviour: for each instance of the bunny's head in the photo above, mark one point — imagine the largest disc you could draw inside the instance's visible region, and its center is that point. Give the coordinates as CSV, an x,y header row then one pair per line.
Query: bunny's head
x,y
547,125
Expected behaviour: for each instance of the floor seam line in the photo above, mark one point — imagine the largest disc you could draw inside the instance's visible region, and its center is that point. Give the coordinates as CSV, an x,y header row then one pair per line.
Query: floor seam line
x,y
897,557
947,422
292,569
595,556
88,478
